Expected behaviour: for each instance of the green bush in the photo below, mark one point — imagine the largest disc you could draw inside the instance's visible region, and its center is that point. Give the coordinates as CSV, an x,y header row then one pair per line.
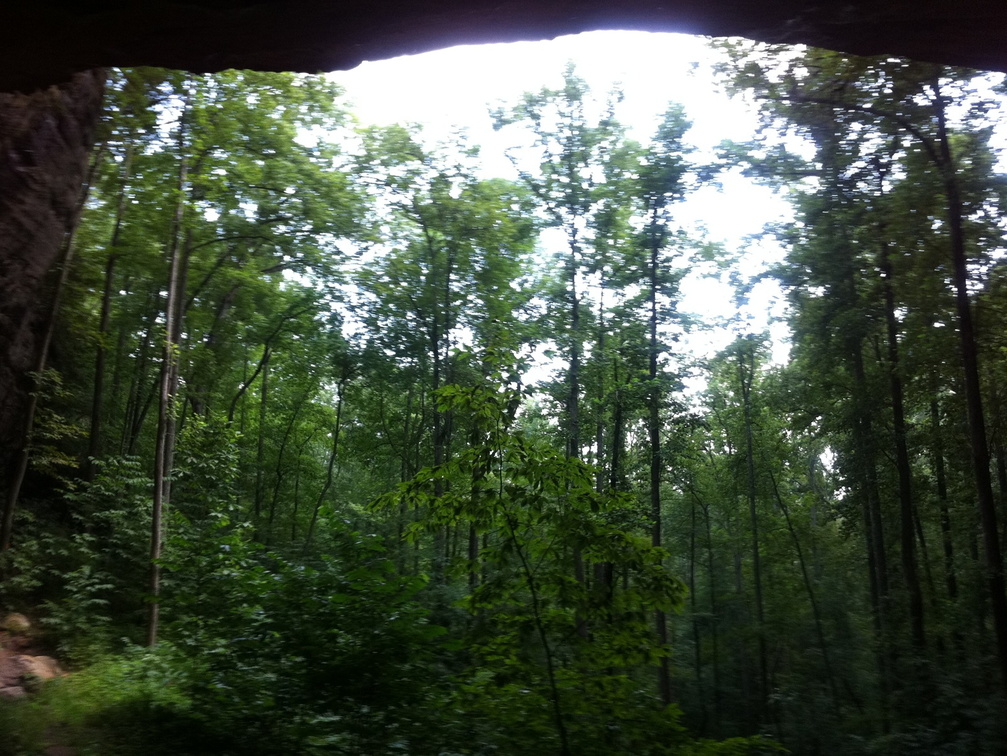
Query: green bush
x,y
286,657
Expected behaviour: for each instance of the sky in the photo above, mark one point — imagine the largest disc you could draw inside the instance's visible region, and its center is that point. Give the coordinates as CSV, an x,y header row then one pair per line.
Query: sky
x,y
455,87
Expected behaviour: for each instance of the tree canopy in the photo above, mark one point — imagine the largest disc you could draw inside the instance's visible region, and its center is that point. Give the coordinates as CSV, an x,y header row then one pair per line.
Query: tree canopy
x,y
290,483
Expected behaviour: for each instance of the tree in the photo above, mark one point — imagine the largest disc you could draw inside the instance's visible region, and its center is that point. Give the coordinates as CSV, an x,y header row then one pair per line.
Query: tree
x,y
540,512
662,183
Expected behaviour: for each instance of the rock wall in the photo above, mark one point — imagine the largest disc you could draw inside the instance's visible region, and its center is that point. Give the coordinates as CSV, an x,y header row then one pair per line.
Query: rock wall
x,y
45,140
54,38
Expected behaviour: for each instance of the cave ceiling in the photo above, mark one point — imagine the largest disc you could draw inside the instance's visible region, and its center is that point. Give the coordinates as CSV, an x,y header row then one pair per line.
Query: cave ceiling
x,y
48,40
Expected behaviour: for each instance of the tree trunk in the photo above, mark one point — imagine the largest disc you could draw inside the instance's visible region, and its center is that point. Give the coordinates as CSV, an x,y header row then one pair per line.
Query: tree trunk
x,y
809,588
746,376
656,457
260,450
573,372
600,454
950,576
874,534
864,449
907,540
132,417
714,621
98,394
439,564
333,456
697,647
115,391
617,465
297,486
973,396
168,383
281,468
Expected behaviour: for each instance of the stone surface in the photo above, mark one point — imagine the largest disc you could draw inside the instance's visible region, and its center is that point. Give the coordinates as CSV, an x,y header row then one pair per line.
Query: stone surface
x,y
39,667
50,39
18,669
16,623
45,140
14,691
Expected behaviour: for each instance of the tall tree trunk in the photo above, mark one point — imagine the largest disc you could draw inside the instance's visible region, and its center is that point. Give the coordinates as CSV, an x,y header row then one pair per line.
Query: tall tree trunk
x,y
656,456
600,454
746,376
714,621
132,417
573,373
333,456
947,541
98,394
752,715
907,540
439,564
617,464
440,343
140,415
809,588
864,449
281,468
874,534
573,440
973,393
168,383
115,390
697,656
260,450
297,485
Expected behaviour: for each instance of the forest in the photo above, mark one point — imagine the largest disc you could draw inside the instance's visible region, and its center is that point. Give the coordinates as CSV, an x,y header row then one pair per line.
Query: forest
x,y
337,446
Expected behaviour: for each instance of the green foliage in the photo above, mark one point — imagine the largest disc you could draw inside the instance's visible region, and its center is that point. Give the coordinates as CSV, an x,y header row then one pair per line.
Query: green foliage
x,y
381,540
124,705
86,574
52,431
289,657
544,649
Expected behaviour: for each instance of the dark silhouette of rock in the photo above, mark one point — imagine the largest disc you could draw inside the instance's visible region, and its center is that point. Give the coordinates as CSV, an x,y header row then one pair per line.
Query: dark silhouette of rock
x,y
51,39
45,139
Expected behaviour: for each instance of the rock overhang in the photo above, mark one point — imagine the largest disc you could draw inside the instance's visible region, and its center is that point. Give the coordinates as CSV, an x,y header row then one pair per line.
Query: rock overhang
x,y
55,38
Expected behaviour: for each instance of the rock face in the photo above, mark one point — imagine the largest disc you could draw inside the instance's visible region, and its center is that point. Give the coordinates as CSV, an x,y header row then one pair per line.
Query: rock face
x,y
45,139
55,38
22,672
16,623
18,669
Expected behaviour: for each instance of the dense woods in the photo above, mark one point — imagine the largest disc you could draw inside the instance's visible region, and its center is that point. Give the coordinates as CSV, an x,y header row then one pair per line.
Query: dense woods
x,y
338,446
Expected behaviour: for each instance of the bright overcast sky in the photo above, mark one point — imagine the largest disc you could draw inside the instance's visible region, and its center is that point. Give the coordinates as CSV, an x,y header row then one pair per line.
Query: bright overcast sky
x,y
455,87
